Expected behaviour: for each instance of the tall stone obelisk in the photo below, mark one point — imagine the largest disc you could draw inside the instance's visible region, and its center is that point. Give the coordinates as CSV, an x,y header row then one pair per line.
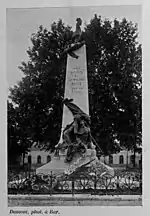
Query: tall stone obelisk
x,y
76,85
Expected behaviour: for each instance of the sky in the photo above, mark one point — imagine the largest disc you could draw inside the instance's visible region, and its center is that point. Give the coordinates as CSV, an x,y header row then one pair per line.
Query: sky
x,y
21,23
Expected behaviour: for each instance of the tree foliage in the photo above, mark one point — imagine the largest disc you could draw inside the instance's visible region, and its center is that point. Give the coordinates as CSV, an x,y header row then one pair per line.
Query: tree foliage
x,y
18,139
114,80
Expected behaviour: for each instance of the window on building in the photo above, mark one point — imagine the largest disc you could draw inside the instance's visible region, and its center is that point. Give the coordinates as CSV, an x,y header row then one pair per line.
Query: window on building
x,y
121,159
29,159
39,159
48,158
132,159
110,159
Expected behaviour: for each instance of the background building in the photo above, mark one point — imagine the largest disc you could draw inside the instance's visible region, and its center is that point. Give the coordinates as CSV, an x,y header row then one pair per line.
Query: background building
x,y
36,158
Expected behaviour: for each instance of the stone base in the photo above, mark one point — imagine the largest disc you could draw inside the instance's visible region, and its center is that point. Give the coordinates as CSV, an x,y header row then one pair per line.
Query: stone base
x,y
57,165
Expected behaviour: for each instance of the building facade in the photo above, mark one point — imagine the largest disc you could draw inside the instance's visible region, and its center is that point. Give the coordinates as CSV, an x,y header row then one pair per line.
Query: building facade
x,y
122,159
36,158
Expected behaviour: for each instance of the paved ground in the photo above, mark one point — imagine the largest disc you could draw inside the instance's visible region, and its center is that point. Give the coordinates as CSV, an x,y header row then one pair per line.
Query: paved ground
x,y
74,203
77,200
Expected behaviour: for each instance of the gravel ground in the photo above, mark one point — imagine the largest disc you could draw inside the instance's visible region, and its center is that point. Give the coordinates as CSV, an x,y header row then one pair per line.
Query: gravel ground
x,y
74,201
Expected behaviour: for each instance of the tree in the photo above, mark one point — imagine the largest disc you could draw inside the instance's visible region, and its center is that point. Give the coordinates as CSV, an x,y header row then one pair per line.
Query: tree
x,y
116,67
114,79
13,147
18,140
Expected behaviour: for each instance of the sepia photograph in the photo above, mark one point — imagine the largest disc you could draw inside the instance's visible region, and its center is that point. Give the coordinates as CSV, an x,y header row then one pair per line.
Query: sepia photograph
x,y
74,106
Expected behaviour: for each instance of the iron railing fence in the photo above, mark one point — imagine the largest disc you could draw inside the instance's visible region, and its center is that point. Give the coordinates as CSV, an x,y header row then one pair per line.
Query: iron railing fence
x,y
87,181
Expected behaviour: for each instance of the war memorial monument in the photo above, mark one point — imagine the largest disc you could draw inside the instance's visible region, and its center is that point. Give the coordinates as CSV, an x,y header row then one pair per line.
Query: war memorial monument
x,y
76,148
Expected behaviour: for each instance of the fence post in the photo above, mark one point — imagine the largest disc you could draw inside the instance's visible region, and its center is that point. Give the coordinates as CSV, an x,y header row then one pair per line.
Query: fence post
x,y
117,184
51,183
95,182
72,185
140,180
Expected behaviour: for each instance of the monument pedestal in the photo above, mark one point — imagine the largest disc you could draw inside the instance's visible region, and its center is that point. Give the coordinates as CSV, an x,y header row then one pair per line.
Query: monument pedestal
x,y
57,165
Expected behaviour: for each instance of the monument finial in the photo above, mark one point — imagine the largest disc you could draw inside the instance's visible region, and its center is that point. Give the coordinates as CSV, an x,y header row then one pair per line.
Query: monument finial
x,y
78,31
78,41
